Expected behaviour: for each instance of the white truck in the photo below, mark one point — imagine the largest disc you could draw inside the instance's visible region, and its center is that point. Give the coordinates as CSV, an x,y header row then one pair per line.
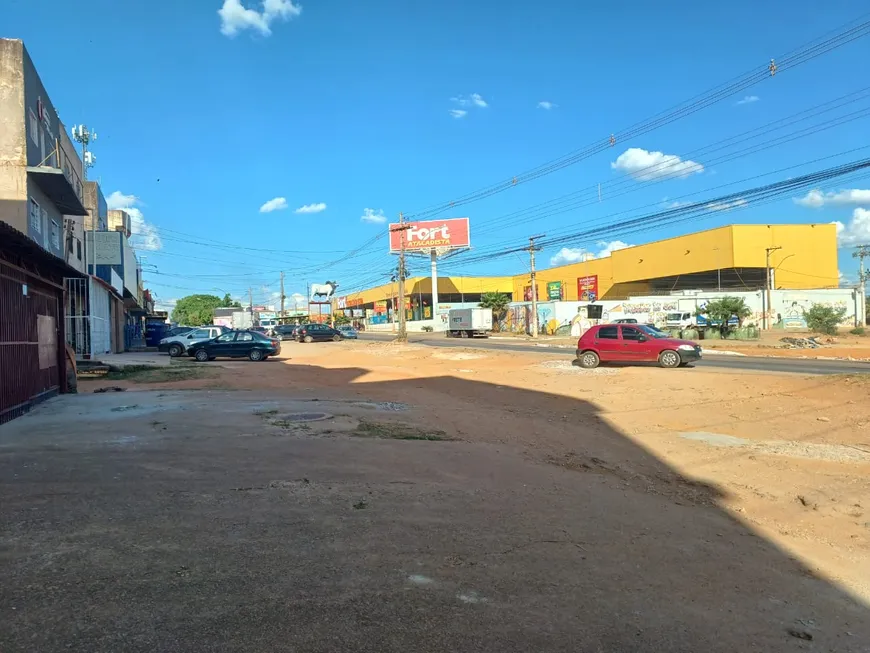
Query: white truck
x,y
469,322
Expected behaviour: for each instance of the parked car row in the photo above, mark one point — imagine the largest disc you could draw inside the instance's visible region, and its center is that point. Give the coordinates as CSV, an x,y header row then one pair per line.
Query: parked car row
x,y
209,342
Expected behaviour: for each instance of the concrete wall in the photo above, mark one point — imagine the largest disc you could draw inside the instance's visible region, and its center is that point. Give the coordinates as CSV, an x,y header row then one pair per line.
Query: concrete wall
x,y
13,157
786,312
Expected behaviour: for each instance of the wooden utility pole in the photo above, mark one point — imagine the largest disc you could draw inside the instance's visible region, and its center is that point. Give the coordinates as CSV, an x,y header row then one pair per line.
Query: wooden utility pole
x,y
532,250
402,336
281,314
768,251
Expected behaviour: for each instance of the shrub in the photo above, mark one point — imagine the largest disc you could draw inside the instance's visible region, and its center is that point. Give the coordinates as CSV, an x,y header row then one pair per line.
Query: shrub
x,y
857,331
428,329
824,319
720,312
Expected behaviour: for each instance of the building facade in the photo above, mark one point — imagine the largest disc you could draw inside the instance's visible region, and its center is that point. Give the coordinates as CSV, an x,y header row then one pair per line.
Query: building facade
x,y
40,179
734,258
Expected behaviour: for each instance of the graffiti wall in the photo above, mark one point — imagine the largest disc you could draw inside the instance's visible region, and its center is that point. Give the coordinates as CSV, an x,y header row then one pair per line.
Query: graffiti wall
x,y
558,317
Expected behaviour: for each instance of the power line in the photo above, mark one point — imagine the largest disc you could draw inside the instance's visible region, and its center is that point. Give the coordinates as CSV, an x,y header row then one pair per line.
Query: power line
x,y
708,98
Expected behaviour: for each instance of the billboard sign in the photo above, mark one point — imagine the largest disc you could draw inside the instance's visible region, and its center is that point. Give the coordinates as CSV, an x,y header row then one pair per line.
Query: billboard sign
x,y
587,288
554,290
451,233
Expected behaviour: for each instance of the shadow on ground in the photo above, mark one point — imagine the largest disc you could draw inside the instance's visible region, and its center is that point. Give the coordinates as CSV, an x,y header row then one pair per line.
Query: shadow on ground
x,y
305,521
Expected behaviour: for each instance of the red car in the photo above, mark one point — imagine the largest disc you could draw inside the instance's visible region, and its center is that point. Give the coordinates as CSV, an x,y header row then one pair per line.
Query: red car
x,y
613,343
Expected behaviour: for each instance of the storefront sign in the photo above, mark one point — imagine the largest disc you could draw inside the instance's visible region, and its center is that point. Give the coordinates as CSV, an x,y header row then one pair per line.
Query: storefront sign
x,y
527,294
587,288
381,307
451,233
554,291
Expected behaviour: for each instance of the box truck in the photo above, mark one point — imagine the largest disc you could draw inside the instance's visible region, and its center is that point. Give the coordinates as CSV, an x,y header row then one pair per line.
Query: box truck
x,y
469,322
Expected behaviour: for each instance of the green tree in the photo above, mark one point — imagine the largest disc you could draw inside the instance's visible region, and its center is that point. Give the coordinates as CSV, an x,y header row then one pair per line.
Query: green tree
x,y
227,302
498,303
824,319
721,311
195,310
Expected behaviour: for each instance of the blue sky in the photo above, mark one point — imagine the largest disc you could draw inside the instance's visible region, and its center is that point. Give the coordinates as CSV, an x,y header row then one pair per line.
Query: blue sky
x,y
359,110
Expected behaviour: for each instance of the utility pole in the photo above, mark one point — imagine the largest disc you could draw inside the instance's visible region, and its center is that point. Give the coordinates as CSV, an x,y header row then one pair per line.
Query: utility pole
x,y
402,228
81,134
532,250
281,314
860,253
768,251
251,303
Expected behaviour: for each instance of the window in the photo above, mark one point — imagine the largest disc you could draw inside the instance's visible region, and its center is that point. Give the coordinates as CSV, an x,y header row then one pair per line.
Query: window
x,y
55,234
34,128
607,333
35,217
227,337
244,337
630,333
198,334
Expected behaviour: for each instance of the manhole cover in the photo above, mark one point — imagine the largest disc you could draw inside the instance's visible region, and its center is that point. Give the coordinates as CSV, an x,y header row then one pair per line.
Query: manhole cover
x,y
307,417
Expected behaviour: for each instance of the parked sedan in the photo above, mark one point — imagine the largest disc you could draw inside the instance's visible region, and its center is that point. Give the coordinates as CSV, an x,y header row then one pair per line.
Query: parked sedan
x,y
237,344
317,333
348,332
612,343
176,345
285,331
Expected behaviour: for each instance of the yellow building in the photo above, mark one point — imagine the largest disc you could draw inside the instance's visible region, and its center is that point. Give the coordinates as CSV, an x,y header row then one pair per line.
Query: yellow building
x,y
734,257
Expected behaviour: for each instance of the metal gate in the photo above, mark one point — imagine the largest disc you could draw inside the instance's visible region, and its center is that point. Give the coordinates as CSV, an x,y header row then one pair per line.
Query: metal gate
x,y
29,363
87,317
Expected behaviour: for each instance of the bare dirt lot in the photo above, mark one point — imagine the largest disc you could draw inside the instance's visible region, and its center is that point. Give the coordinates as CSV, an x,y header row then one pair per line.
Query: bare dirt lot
x,y
364,496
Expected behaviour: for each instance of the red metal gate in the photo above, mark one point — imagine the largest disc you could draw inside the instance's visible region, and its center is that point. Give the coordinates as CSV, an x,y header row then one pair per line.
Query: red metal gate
x,y
29,347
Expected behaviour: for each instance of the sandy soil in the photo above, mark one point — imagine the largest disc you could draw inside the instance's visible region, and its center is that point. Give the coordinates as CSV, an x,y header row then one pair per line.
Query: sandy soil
x,y
787,456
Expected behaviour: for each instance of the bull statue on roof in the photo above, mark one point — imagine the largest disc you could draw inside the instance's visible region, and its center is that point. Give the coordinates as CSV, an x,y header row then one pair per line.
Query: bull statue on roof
x,y
322,292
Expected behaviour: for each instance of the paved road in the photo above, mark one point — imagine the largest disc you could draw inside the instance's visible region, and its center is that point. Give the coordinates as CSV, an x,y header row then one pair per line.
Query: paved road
x,y
755,363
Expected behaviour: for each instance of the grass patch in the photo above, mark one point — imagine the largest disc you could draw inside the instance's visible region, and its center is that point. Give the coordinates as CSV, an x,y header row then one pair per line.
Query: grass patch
x,y
393,431
162,374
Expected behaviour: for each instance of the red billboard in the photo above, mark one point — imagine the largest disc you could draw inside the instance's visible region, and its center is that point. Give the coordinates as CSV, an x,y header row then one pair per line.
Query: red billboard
x,y
587,288
451,233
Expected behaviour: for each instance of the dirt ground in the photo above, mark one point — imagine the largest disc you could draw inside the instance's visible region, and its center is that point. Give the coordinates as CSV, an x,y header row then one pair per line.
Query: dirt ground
x,y
431,500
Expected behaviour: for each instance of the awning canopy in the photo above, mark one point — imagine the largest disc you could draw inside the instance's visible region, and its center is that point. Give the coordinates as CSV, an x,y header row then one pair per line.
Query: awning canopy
x,y
57,187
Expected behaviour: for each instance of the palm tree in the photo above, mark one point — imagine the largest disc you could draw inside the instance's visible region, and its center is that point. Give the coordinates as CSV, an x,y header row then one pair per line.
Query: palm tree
x,y
498,303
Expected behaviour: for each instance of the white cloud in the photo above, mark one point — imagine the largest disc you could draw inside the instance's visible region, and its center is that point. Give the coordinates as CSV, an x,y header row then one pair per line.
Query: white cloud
x,y
275,204
236,18
609,248
816,198
857,232
568,255
312,208
144,235
644,165
748,99
726,206
473,100
544,104
374,217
